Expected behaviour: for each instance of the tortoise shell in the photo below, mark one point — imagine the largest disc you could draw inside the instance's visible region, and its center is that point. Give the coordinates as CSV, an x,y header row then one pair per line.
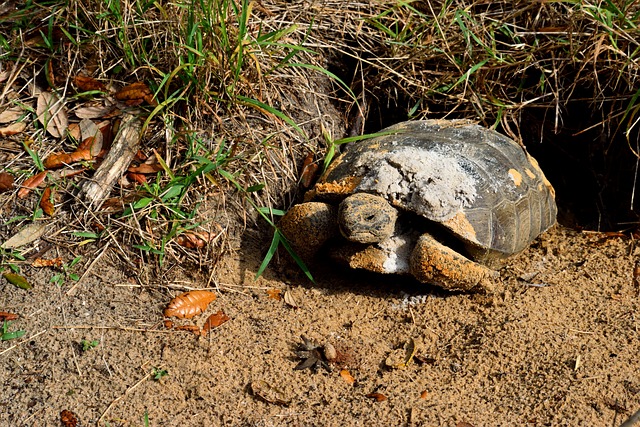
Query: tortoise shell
x,y
483,187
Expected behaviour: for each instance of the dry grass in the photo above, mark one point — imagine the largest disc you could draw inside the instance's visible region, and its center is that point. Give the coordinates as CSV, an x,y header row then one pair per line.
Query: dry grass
x,y
253,87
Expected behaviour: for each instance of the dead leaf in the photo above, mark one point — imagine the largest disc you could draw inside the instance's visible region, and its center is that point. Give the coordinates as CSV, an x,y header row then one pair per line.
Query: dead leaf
x,y
289,300
214,321
140,179
275,294
378,397
68,419
190,328
28,234
189,304
58,160
17,280
7,316
11,114
86,84
51,113
74,131
94,112
347,376
167,323
309,171
146,168
6,182
135,94
46,202
196,239
268,393
13,129
424,395
31,183
91,137
41,262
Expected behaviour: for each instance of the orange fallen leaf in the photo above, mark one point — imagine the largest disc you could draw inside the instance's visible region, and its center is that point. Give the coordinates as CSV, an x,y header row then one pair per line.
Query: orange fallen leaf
x,y
194,240
31,183
191,328
58,160
137,177
189,304
41,262
135,94
46,202
146,168
309,170
275,294
214,321
86,83
6,182
378,397
347,376
13,129
424,395
7,316
167,323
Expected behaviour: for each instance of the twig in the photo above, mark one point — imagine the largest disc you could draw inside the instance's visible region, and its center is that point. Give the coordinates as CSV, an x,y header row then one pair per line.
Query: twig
x,y
632,420
104,249
160,331
22,342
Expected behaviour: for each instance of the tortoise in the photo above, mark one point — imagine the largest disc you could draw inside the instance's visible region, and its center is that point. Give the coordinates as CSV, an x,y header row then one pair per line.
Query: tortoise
x,y
441,200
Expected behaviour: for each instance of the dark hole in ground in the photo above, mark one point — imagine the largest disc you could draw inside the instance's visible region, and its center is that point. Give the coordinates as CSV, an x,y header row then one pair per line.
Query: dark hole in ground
x,y
593,171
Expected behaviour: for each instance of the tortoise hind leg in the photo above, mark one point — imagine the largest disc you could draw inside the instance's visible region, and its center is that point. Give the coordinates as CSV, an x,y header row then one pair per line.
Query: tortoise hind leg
x,y
433,262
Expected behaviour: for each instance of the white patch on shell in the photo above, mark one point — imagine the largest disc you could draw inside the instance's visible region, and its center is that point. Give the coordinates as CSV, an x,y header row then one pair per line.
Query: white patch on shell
x,y
429,183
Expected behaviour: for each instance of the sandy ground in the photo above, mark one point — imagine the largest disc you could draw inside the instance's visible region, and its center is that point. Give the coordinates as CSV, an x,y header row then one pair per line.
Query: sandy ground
x,y
556,345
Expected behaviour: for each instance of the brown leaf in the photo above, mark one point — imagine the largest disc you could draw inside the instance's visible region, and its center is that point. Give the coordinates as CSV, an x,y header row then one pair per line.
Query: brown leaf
x,y
309,171
28,234
167,323
31,183
289,300
51,113
275,294
93,111
58,160
347,376
7,316
6,182
68,419
146,168
424,395
11,114
92,138
41,262
189,304
86,84
46,201
196,239
74,131
135,94
214,321
13,129
137,177
378,397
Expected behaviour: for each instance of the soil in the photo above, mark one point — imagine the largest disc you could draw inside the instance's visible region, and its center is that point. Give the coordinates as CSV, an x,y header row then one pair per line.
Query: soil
x,y
557,344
